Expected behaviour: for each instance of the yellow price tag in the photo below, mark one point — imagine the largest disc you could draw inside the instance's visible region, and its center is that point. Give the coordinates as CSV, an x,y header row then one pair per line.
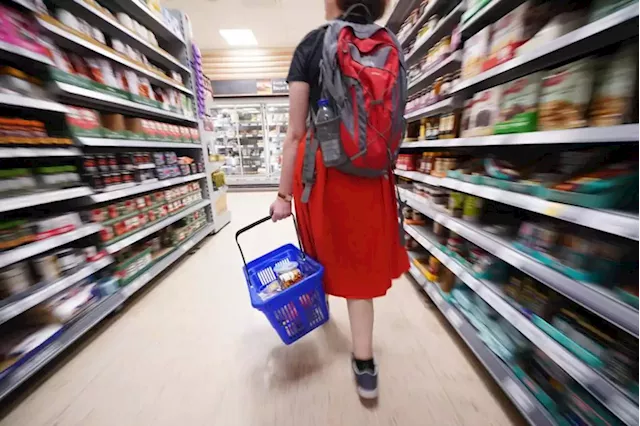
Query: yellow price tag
x,y
554,209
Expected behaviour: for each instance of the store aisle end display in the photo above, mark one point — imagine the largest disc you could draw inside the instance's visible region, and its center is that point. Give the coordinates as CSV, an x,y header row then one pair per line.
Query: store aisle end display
x,y
103,179
518,179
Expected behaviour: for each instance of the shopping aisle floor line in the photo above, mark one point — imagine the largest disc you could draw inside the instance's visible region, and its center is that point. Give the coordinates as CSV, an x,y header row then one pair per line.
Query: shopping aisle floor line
x,y
192,351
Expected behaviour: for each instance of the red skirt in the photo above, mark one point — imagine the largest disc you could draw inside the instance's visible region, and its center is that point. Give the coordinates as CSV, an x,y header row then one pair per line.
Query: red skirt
x,y
350,225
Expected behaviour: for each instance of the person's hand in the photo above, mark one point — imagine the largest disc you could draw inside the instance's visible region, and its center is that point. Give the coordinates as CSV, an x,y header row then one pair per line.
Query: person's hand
x,y
280,209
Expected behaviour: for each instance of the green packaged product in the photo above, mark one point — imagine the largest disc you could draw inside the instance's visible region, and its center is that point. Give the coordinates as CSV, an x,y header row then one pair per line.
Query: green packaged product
x,y
519,105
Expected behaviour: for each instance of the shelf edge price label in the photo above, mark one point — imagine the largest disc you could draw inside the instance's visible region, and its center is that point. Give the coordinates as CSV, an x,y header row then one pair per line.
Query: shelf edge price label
x,y
436,296
517,394
454,318
624,408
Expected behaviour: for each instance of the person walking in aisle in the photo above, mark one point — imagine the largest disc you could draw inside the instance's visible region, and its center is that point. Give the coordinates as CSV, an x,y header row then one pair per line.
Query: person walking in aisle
x,y
348,222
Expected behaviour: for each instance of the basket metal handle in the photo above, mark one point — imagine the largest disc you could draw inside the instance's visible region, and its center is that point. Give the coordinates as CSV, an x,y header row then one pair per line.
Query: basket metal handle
x,y
258,222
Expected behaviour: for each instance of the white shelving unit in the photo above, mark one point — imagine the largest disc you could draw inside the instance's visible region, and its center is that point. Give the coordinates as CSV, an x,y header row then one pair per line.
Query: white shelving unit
x,y
40,198
172,53
624,133
599,386
619,26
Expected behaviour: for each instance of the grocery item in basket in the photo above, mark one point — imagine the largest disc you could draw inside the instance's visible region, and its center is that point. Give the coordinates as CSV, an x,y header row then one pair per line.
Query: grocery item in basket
x,y
484,112
565,96
475,52
288,273
513,29
519,105
616,88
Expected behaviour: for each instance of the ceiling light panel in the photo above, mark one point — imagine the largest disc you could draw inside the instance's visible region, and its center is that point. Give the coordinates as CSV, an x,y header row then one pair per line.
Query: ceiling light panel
x,y
239,37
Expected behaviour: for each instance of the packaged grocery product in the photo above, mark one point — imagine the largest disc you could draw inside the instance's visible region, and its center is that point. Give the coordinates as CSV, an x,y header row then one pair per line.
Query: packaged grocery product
x,y
565,96
465,119
14,81
102,72
519,105
616,88
515,28
19,29
80,67
113,123
83,122
559,25
601,8
474,53
15,279
472,208
484,112
406,162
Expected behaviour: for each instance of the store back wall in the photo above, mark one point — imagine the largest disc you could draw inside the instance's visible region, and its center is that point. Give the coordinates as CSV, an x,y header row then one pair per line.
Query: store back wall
x,y
246,64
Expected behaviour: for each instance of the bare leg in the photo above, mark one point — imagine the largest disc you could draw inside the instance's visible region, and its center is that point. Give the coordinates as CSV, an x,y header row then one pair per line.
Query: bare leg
x,y
361,319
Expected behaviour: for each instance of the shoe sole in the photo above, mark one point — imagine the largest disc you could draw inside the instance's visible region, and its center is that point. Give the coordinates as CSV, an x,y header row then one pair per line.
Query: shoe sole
x,y
367,394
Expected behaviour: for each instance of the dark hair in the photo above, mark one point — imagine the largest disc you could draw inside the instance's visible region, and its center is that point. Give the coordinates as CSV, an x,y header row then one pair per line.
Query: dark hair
x,y
376,7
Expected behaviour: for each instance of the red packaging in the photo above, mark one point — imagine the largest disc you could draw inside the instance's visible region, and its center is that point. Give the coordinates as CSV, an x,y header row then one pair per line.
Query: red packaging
x,y
407,162
195,134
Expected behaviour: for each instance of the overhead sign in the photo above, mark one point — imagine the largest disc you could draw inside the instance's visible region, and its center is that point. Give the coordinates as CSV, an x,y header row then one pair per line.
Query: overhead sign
x,y
265,87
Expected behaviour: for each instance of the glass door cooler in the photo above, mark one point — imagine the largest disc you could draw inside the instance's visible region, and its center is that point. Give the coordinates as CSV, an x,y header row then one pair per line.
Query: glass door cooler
x,y
249,137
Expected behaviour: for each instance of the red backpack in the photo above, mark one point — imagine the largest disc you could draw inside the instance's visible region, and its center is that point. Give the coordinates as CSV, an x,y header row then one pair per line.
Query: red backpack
x,y
364,87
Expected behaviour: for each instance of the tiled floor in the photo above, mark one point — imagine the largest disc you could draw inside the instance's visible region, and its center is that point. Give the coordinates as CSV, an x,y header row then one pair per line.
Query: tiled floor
x,y
192,351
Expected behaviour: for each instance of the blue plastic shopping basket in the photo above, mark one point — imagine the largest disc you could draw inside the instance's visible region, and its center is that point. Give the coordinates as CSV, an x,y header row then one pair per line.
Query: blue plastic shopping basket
x,y
297,310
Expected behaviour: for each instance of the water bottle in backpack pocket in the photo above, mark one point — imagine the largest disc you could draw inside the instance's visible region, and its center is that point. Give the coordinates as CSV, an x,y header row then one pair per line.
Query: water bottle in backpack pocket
x,y
327,133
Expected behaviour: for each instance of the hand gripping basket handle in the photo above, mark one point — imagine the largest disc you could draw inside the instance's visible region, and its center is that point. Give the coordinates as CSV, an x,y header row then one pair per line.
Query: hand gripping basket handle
x,y
258,222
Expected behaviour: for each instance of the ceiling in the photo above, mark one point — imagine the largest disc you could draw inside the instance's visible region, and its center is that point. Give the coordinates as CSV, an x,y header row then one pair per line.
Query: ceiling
x,y
275,23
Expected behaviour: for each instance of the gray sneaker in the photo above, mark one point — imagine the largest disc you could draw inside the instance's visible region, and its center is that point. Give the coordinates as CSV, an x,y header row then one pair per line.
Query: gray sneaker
x,y
366,381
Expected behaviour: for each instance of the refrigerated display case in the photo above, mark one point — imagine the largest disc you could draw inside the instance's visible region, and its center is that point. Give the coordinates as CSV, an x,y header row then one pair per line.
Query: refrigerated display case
x,y
248,139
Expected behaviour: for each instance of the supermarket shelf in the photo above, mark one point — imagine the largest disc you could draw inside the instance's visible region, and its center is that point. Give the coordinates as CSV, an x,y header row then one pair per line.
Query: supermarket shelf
x,y
450,64
139,189
616,223
127,143
164,264
257,180
18,376
444,27
114,28
141,13
28,250
145,232
222,220
600,387
100,311
39,198
14,306
489,14
611,29
435,109
420,177
399,12
66,39
431,8
600,135
526,403
217,193
21,152
26,4
596,299
16,53
93,98
24,102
